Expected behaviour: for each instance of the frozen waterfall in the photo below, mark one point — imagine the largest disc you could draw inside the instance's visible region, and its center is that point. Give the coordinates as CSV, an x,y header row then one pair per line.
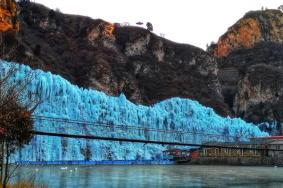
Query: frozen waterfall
x,y
163,121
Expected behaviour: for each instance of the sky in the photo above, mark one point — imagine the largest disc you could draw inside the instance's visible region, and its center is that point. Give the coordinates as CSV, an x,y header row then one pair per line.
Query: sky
x,y
196,22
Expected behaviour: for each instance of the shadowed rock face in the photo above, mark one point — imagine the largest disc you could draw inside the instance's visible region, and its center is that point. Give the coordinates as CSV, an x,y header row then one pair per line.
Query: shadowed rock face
x,y
114,59
260,94
251,81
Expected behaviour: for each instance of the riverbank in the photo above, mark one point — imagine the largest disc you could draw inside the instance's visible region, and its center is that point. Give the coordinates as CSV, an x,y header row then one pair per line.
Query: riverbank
x,y
103,162
235,161
238,161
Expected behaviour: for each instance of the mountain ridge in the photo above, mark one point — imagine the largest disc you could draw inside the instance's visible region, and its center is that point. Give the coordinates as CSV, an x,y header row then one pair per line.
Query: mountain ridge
x,y
129,60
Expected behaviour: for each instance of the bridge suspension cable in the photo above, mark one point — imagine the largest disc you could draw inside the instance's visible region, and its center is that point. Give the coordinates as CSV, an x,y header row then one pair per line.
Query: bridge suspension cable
x,y
147,141
111,138
103,124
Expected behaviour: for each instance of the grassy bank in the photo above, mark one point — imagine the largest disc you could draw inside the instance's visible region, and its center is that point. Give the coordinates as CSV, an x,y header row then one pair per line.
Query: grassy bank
x,y
25,185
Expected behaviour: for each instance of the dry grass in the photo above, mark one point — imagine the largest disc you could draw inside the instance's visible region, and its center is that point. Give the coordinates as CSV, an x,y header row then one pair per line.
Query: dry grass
x,y
25,185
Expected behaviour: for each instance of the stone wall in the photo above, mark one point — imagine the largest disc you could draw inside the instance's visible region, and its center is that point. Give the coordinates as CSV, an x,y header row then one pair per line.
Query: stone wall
x,y
242,161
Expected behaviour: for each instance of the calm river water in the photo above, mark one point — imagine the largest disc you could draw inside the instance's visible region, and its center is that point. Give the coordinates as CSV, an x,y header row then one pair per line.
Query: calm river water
x,y
153,176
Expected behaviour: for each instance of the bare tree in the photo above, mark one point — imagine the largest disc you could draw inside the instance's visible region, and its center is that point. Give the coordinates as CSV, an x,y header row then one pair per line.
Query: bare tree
x,y
149,26
162,35
16,123
16,107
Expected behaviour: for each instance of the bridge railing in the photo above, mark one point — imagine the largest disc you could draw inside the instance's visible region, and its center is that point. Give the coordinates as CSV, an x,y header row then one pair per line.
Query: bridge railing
x,y
66,126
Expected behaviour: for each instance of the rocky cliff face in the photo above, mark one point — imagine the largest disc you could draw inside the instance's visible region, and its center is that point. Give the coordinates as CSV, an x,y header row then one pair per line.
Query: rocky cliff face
x,y
251,82
250,66
260,94
254,27
115,59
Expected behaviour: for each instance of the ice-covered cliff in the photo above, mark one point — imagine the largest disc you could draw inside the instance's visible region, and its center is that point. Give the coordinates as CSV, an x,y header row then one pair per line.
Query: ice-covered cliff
x,y
60,99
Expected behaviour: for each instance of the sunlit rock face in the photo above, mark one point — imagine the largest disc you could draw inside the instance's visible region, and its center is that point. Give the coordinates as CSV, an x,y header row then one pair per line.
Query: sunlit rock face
x,y
61,99
8,16
254,27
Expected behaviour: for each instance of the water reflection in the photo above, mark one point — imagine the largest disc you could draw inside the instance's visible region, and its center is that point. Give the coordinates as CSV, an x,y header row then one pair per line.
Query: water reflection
x,y
152,176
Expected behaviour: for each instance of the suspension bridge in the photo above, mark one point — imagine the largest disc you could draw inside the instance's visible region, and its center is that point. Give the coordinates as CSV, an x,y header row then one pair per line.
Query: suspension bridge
x,y
120,133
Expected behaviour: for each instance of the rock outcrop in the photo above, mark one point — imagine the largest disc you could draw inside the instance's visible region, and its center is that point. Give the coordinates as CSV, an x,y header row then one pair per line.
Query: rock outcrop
x,y
8,16
254,27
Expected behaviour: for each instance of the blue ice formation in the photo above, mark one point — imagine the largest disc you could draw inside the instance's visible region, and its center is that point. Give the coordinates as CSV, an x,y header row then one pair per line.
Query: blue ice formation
x,y
175,119
273,128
